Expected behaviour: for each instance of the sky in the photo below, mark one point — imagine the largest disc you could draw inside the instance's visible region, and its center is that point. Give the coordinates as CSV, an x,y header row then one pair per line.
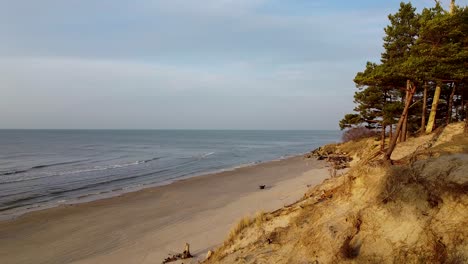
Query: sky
x,y
185,64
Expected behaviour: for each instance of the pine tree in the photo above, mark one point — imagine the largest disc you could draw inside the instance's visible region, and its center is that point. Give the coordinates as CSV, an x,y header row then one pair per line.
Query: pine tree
x,y
429,50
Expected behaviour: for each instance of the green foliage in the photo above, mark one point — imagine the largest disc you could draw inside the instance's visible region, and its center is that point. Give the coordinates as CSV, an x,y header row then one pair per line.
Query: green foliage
x,y
428,47
401,35
440,53
350,120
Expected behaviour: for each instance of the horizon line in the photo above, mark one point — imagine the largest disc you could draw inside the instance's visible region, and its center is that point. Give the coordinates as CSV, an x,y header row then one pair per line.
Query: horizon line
x,y
168,129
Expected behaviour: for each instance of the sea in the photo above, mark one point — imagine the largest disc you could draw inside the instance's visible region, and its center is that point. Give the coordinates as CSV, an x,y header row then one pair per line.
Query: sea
x,y
46,168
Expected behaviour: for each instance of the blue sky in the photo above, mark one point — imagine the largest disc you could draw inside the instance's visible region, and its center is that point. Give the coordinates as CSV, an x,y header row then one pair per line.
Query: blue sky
x,y
211,64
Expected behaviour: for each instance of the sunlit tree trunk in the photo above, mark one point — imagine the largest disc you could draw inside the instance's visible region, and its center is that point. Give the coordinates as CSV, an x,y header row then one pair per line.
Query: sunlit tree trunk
x,y
435,101
424,109
404,129
398,129
450,105
402,124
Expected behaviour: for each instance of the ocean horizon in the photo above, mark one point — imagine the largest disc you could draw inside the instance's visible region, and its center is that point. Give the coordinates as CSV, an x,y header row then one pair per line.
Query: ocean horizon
x,y
42,168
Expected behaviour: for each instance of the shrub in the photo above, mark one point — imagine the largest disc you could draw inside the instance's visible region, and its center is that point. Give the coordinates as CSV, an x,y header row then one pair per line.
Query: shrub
x,y
357,133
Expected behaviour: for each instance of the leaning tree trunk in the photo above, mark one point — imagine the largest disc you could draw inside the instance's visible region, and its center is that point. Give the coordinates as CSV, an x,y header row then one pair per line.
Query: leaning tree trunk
x,y
424,109
393,142
450,106
435,101
403,126
404,129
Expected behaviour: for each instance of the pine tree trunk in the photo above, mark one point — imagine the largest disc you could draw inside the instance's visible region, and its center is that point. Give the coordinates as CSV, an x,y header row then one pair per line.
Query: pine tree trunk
x,y
466,118
404,129
393,142
382,136
435,101
390,133
450,106
403,124
424,109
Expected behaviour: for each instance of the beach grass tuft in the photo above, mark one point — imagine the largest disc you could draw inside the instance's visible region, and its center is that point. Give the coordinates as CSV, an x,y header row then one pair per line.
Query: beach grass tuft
x,y
239,227
259,218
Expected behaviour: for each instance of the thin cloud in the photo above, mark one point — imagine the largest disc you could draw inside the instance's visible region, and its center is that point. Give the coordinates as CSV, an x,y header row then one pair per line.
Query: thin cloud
x,y
184,63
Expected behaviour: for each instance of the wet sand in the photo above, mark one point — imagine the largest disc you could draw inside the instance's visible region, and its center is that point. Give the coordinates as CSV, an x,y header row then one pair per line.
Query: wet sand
x,y
147,225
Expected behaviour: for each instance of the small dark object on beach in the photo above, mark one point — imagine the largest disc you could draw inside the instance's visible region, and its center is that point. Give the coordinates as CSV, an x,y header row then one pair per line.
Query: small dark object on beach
x,y
261,187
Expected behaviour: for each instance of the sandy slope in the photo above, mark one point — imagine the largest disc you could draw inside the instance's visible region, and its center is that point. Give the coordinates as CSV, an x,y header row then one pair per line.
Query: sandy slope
x,y
412,212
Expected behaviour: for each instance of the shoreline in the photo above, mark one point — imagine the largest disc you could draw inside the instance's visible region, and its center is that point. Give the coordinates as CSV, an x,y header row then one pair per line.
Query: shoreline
x,y
153,222
12,214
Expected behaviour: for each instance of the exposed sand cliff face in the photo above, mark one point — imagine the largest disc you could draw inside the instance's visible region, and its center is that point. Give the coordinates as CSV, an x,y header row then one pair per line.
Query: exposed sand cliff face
x,y
413,212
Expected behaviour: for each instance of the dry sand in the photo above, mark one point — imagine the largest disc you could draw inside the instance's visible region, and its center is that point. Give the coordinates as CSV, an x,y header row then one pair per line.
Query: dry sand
x,y
145,226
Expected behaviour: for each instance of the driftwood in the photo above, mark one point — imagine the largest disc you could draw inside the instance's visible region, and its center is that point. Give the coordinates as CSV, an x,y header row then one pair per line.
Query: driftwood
x,y
321,153
339,161
329,153
184,255
209,254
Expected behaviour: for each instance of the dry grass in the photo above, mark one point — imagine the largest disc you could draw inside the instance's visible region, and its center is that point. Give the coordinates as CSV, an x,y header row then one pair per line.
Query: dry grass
x,y
245,222
396,179
458,144
425,179
239,227
329,149
260,217
412,213
358,146
456,258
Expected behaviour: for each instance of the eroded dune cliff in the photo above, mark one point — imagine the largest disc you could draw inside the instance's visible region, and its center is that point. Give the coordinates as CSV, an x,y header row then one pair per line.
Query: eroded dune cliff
x,y
415,211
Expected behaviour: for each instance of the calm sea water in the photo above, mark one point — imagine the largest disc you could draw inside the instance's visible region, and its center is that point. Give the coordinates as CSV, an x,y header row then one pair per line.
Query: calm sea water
x,y
43,168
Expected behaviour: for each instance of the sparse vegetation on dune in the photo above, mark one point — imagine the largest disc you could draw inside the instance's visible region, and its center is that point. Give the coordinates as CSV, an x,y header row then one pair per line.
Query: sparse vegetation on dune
x,y
404,199
357,133
413,212
239,227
